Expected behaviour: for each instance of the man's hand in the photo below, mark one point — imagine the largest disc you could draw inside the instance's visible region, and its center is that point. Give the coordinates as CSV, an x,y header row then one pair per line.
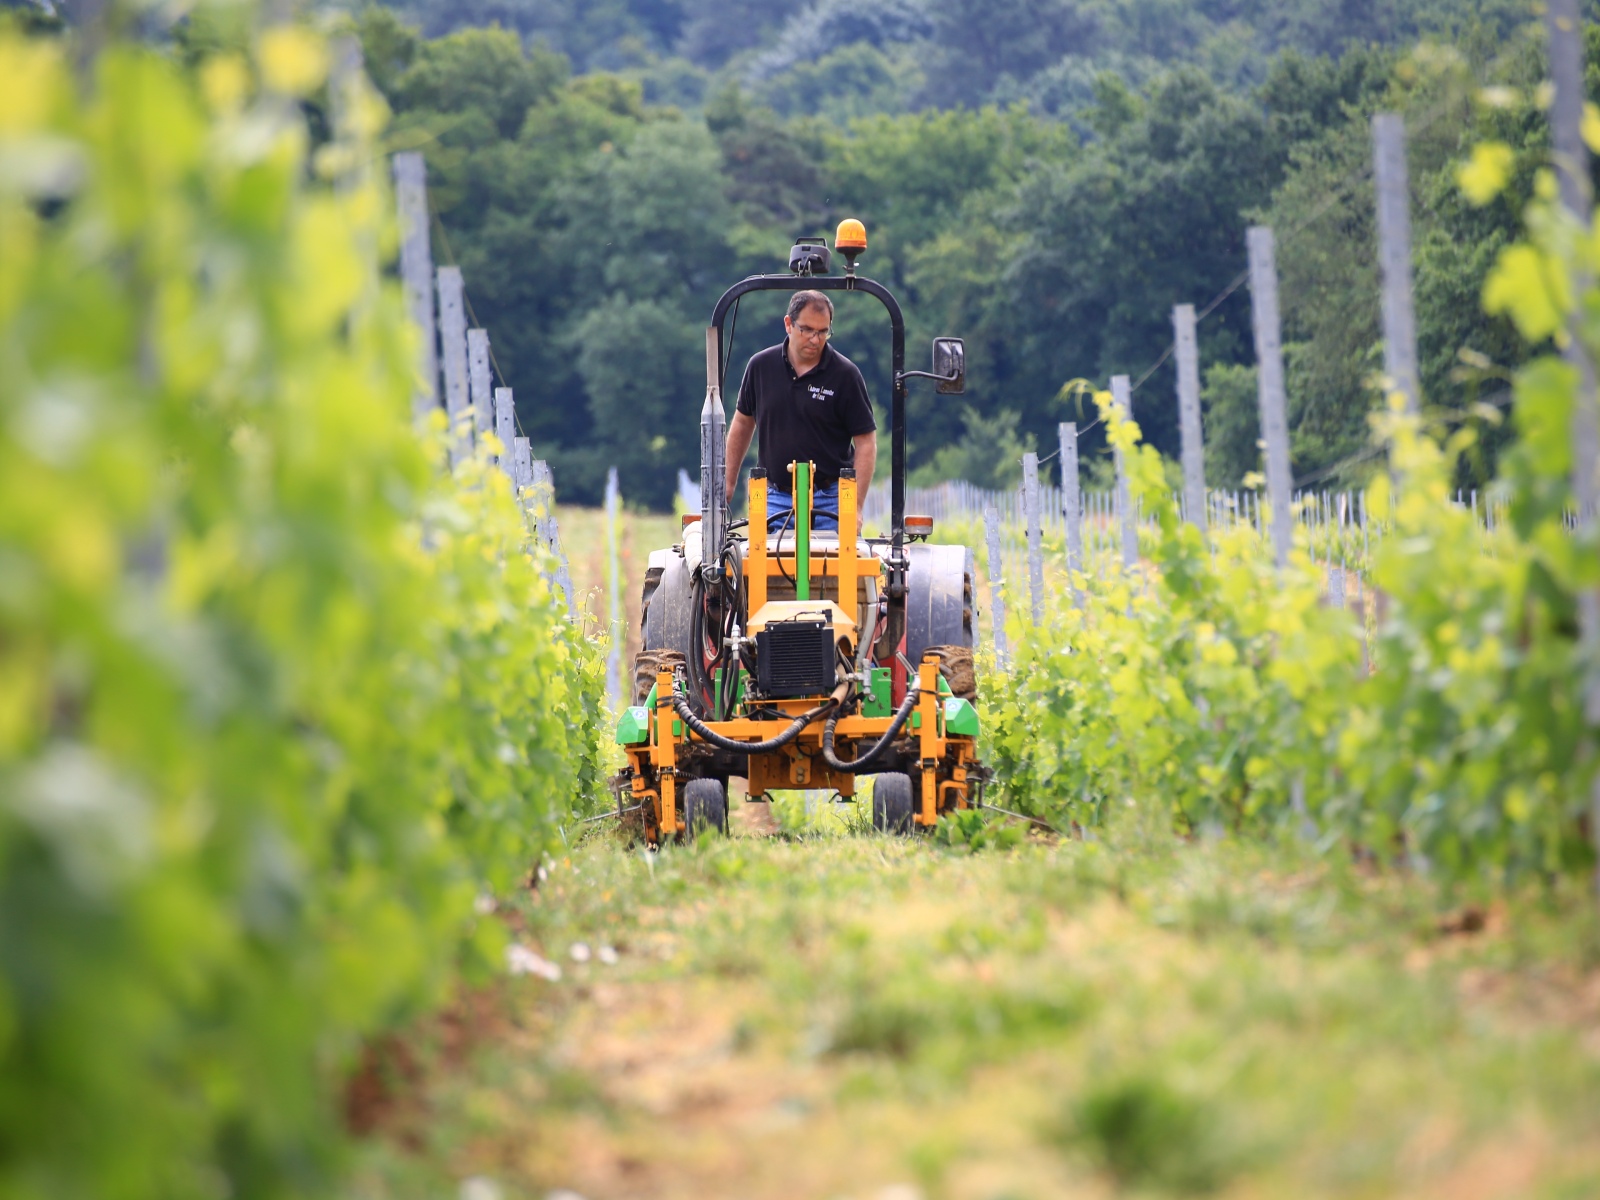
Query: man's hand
x,y
740,430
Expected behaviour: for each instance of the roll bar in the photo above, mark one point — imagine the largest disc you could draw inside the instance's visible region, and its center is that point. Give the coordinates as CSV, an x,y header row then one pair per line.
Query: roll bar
x,y
713,516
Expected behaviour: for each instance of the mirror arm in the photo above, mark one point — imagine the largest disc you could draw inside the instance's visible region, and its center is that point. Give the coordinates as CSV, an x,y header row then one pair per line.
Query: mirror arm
x,y
926,375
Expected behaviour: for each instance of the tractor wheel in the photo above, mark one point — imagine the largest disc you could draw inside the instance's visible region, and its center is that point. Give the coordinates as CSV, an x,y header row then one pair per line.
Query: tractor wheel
x,y
665,618
705,806
891,802
955,664
647,664
938,599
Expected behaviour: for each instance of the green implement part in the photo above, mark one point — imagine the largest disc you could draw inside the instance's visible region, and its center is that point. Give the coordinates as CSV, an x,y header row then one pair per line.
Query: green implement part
x,y
876,702
960,718
634,727
802,531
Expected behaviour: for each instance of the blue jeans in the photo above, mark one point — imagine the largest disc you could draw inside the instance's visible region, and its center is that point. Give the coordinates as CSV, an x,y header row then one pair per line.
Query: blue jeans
x,y
824,510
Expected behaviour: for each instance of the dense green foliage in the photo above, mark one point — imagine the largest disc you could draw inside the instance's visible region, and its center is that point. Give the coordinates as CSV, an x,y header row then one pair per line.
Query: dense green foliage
x,y
1331,325
843,58
1219,686
1047,200
285,709
280,704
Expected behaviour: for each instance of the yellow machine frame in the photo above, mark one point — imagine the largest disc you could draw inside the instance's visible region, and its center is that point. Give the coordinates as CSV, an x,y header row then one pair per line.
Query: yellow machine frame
x,y
944,760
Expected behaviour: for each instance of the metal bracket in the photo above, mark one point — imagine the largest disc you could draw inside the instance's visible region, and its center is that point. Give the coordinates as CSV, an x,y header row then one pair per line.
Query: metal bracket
x,y
899,566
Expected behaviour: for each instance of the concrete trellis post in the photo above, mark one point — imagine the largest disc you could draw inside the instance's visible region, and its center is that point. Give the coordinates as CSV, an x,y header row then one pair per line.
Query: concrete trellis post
x,y
535,481
1071,505
480,381
505,429
524,473
1269,387
519,465
453,339
468,368
1194,454
416,273
997,580
1030,511
1394,255
1127,519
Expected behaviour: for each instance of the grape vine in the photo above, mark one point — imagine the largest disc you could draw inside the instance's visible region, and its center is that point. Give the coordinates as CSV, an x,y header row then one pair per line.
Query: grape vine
x,y
284,706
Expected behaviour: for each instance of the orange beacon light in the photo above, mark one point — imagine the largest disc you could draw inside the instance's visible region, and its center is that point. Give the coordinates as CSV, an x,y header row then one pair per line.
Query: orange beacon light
x,y
850,240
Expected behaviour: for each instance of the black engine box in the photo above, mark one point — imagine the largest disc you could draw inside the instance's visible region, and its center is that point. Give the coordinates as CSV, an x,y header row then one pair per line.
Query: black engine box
x,y
795,658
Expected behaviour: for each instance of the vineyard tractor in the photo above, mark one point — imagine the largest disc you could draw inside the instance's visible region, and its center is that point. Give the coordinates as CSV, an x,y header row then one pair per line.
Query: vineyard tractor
x,y
798,659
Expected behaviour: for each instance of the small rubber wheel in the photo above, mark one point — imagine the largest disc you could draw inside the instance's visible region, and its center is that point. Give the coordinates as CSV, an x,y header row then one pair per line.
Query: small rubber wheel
x,y
891,802
705,806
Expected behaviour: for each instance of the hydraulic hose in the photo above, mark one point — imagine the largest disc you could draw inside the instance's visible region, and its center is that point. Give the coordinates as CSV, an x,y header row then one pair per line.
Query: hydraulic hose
x,y
901,716
680,705
717,692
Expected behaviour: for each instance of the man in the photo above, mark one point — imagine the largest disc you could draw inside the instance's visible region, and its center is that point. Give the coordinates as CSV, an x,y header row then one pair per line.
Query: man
x,y
809,403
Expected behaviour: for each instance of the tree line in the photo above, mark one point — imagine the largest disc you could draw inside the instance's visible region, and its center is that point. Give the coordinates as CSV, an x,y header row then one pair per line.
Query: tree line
x,y
596,226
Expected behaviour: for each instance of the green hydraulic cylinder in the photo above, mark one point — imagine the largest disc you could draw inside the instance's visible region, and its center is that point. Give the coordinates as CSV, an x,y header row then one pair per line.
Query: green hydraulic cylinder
x,y
802,531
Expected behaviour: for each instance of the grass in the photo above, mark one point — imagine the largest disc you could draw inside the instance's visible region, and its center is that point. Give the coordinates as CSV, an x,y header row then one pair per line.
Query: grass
x,y
828,1013
584,539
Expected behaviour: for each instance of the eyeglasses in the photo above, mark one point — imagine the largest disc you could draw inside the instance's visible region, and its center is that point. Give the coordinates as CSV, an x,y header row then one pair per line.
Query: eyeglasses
x,y
813,334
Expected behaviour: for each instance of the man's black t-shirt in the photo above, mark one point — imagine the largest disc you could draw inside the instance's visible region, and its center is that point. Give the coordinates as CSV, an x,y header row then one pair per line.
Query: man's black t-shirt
x,y
805,418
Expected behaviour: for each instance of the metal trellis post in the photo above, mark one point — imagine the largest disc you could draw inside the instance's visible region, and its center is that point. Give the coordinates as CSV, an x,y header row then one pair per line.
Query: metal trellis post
x,y
1030,511
1565,28
1269,387
1194,455
1071,505
1394,255
997,581
1128,521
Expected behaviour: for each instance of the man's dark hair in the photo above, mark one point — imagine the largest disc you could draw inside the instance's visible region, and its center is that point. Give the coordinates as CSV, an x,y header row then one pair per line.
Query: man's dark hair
x,y
801,301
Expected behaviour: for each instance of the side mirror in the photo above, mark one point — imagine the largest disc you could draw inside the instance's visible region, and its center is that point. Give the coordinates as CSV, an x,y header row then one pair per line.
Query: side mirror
x,y
950,365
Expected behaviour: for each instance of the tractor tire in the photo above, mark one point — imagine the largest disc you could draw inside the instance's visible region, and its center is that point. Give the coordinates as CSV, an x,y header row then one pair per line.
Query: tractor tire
x,y
668,605
705,807
939,600
891,802
655,569
955,664
647,664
